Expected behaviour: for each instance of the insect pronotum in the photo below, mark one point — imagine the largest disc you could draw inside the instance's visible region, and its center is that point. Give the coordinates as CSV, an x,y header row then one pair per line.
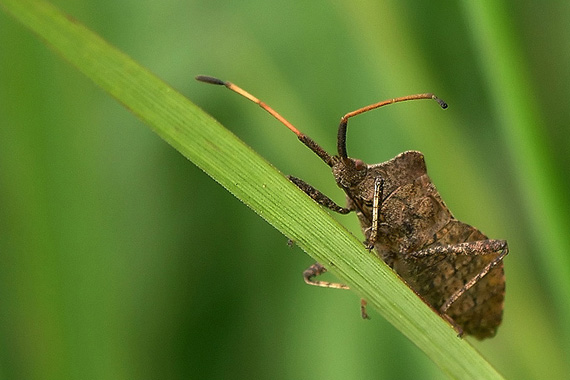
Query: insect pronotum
x,y
451,265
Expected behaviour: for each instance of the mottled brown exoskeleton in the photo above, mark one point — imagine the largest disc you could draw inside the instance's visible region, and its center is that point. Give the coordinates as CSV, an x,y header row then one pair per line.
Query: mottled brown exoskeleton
x,y
451,265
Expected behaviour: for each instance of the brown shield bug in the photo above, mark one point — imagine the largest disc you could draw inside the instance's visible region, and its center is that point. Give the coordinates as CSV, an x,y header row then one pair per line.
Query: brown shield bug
x,y
451,265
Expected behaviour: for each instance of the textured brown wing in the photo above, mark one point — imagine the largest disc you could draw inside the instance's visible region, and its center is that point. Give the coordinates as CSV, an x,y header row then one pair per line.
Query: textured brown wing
x,y
436,277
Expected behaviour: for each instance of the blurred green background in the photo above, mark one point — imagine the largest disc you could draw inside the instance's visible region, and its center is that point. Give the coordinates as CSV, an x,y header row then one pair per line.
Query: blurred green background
x,y
120,259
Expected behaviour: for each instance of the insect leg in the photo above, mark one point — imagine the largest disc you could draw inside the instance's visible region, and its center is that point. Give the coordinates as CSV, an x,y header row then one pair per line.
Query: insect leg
x,y
318,197
378,190
363,312
317,269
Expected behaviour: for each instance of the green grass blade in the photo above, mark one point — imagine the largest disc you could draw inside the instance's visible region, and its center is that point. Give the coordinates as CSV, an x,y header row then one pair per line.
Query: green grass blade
x,y
255,182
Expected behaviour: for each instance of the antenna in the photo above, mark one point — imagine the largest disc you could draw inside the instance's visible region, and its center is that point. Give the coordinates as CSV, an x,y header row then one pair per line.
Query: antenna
x,y
310,143
341,141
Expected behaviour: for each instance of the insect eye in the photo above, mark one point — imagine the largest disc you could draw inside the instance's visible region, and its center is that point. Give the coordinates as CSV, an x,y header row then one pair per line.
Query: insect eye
x,y
359,164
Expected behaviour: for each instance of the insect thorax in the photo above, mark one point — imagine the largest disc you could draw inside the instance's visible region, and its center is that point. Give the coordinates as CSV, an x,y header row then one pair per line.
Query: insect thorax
x,y
411,212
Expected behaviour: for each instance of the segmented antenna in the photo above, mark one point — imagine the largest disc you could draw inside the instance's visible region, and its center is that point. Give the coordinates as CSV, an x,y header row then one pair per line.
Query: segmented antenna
x,y
341,139
310,143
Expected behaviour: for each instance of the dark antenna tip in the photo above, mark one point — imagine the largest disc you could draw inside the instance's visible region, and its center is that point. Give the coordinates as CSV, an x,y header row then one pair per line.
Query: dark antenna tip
x,y
211,80
441,103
